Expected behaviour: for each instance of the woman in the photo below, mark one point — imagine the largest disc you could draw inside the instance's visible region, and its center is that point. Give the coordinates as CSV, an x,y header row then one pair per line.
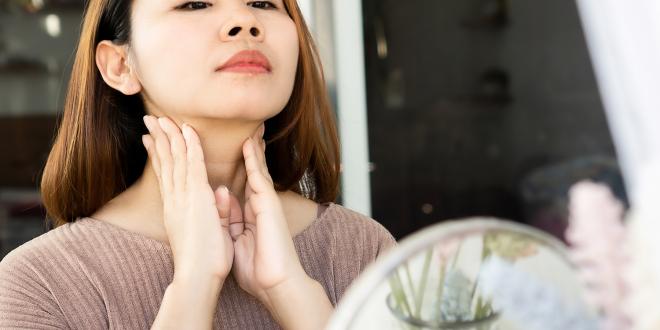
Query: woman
x,y
170,210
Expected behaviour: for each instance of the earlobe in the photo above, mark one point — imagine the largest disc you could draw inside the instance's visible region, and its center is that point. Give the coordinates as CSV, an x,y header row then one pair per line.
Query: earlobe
x,y
111,61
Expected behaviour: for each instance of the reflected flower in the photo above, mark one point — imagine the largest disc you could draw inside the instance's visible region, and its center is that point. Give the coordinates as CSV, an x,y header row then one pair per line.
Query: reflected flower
x,y
456,302
508,246
448,249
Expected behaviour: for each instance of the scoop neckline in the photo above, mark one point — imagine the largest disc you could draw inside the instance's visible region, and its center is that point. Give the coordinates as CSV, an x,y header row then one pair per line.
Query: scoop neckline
x,y
143,237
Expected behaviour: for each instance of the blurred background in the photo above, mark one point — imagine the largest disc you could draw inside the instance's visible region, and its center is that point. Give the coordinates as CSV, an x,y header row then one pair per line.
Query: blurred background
x,y
470,107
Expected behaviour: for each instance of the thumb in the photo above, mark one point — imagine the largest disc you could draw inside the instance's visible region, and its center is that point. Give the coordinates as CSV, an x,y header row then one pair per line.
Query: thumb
x,y
222,204
230,212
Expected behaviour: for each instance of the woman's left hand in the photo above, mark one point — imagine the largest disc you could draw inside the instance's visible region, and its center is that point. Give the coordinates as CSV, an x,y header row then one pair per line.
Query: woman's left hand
x,y
265,258
266,264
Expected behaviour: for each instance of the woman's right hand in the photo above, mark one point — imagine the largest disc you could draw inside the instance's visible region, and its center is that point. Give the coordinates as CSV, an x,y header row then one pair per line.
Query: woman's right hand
x,y
197,227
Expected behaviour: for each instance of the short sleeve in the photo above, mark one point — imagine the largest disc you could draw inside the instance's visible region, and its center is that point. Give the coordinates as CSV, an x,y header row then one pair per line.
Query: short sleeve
x,y
360,241
385,241
25,302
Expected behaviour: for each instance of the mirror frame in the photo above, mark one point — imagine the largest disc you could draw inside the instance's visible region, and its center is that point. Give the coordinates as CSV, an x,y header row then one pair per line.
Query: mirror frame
x,y
368,281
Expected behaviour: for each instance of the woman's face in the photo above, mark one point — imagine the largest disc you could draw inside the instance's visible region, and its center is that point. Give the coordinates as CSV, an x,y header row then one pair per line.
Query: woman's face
x,y
177,47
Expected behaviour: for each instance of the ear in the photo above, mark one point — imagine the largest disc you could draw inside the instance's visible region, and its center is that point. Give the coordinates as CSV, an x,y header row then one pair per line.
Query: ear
x,y
112,62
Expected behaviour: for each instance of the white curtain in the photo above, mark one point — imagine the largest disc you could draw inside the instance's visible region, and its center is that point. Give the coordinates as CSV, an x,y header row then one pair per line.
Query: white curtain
x,y
624,41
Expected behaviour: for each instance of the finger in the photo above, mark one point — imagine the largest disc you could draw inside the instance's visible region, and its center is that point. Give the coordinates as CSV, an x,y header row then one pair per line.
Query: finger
x,y
195,157
222,204
236,222
256,179
163,153
250,216
259,132
259,151
148,143
258,135
248,191
177,150
260,204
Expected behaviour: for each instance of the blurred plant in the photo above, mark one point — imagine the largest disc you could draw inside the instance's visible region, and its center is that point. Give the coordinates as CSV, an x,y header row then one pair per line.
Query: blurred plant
x,y
530,302
457,299
597,237
456,303
507,245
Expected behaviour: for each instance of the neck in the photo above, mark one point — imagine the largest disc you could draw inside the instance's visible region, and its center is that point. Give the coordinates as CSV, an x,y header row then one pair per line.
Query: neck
x,y
222,143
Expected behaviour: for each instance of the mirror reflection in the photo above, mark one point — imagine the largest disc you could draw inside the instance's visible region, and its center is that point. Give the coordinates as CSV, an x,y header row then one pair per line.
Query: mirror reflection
x,y
475,273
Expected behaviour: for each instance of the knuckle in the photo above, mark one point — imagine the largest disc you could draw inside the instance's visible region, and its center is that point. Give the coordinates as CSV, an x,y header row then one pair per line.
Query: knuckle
x,y
177,157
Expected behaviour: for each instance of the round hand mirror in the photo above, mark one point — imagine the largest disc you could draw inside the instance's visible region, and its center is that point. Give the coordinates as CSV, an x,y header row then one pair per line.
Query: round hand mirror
x,y
476,273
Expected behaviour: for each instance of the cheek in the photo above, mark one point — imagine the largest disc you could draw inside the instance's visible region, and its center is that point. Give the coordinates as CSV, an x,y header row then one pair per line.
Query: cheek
x,y
285,45
293,45
165,52
288,45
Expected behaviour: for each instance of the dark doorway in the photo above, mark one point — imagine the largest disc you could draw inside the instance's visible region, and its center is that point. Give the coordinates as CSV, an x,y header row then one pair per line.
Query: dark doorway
x,y
480,107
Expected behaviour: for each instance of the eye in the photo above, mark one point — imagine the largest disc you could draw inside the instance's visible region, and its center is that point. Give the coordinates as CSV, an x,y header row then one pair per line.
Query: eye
x,y
262,4
194,5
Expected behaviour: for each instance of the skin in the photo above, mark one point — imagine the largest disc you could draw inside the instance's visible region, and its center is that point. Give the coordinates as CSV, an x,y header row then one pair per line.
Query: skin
x,y
206,189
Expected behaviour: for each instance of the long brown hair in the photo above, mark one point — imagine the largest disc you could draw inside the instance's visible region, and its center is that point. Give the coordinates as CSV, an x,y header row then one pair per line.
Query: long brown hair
x,y
97,152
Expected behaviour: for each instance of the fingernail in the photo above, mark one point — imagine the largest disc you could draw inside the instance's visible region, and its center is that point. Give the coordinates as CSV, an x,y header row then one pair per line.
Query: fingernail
x,y
146,122
224,192
145,142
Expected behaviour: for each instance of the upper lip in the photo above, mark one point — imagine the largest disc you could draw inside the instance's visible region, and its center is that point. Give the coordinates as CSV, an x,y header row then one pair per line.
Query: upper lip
x,y
254,57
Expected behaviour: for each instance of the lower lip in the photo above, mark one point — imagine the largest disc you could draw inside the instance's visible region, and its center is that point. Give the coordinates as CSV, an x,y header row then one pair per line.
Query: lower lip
x,y
245,68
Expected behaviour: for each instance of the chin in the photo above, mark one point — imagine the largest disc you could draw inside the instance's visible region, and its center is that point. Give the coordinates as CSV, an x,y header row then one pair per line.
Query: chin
x,y
248,112
250,108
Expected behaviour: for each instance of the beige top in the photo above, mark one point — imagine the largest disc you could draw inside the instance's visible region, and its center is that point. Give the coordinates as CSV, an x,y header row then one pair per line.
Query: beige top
x,y
90,274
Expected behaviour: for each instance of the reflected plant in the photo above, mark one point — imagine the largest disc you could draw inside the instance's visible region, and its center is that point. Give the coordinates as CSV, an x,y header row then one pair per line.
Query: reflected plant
x,y
456,303
508,246
457,299
530,302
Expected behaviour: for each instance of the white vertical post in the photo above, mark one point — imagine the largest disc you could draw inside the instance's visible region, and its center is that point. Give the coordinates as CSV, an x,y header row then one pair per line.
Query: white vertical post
x,y
307,9
352,105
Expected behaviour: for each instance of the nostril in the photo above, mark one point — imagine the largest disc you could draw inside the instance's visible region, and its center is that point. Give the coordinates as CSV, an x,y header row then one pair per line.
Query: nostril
x,y
234,31
254,32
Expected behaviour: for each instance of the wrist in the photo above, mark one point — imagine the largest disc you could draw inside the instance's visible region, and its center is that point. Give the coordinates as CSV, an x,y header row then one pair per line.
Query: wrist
x,y
293,286
299,304
188,304
199,280
197,288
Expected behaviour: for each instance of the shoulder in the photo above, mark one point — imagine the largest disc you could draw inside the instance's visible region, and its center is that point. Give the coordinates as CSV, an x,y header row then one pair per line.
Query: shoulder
x,y
65,276
63,240
60,256
29,276
44,254
356,241
353,230
39,248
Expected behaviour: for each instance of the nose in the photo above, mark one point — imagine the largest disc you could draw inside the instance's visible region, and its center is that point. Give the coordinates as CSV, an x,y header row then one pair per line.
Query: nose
x,y
242,24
